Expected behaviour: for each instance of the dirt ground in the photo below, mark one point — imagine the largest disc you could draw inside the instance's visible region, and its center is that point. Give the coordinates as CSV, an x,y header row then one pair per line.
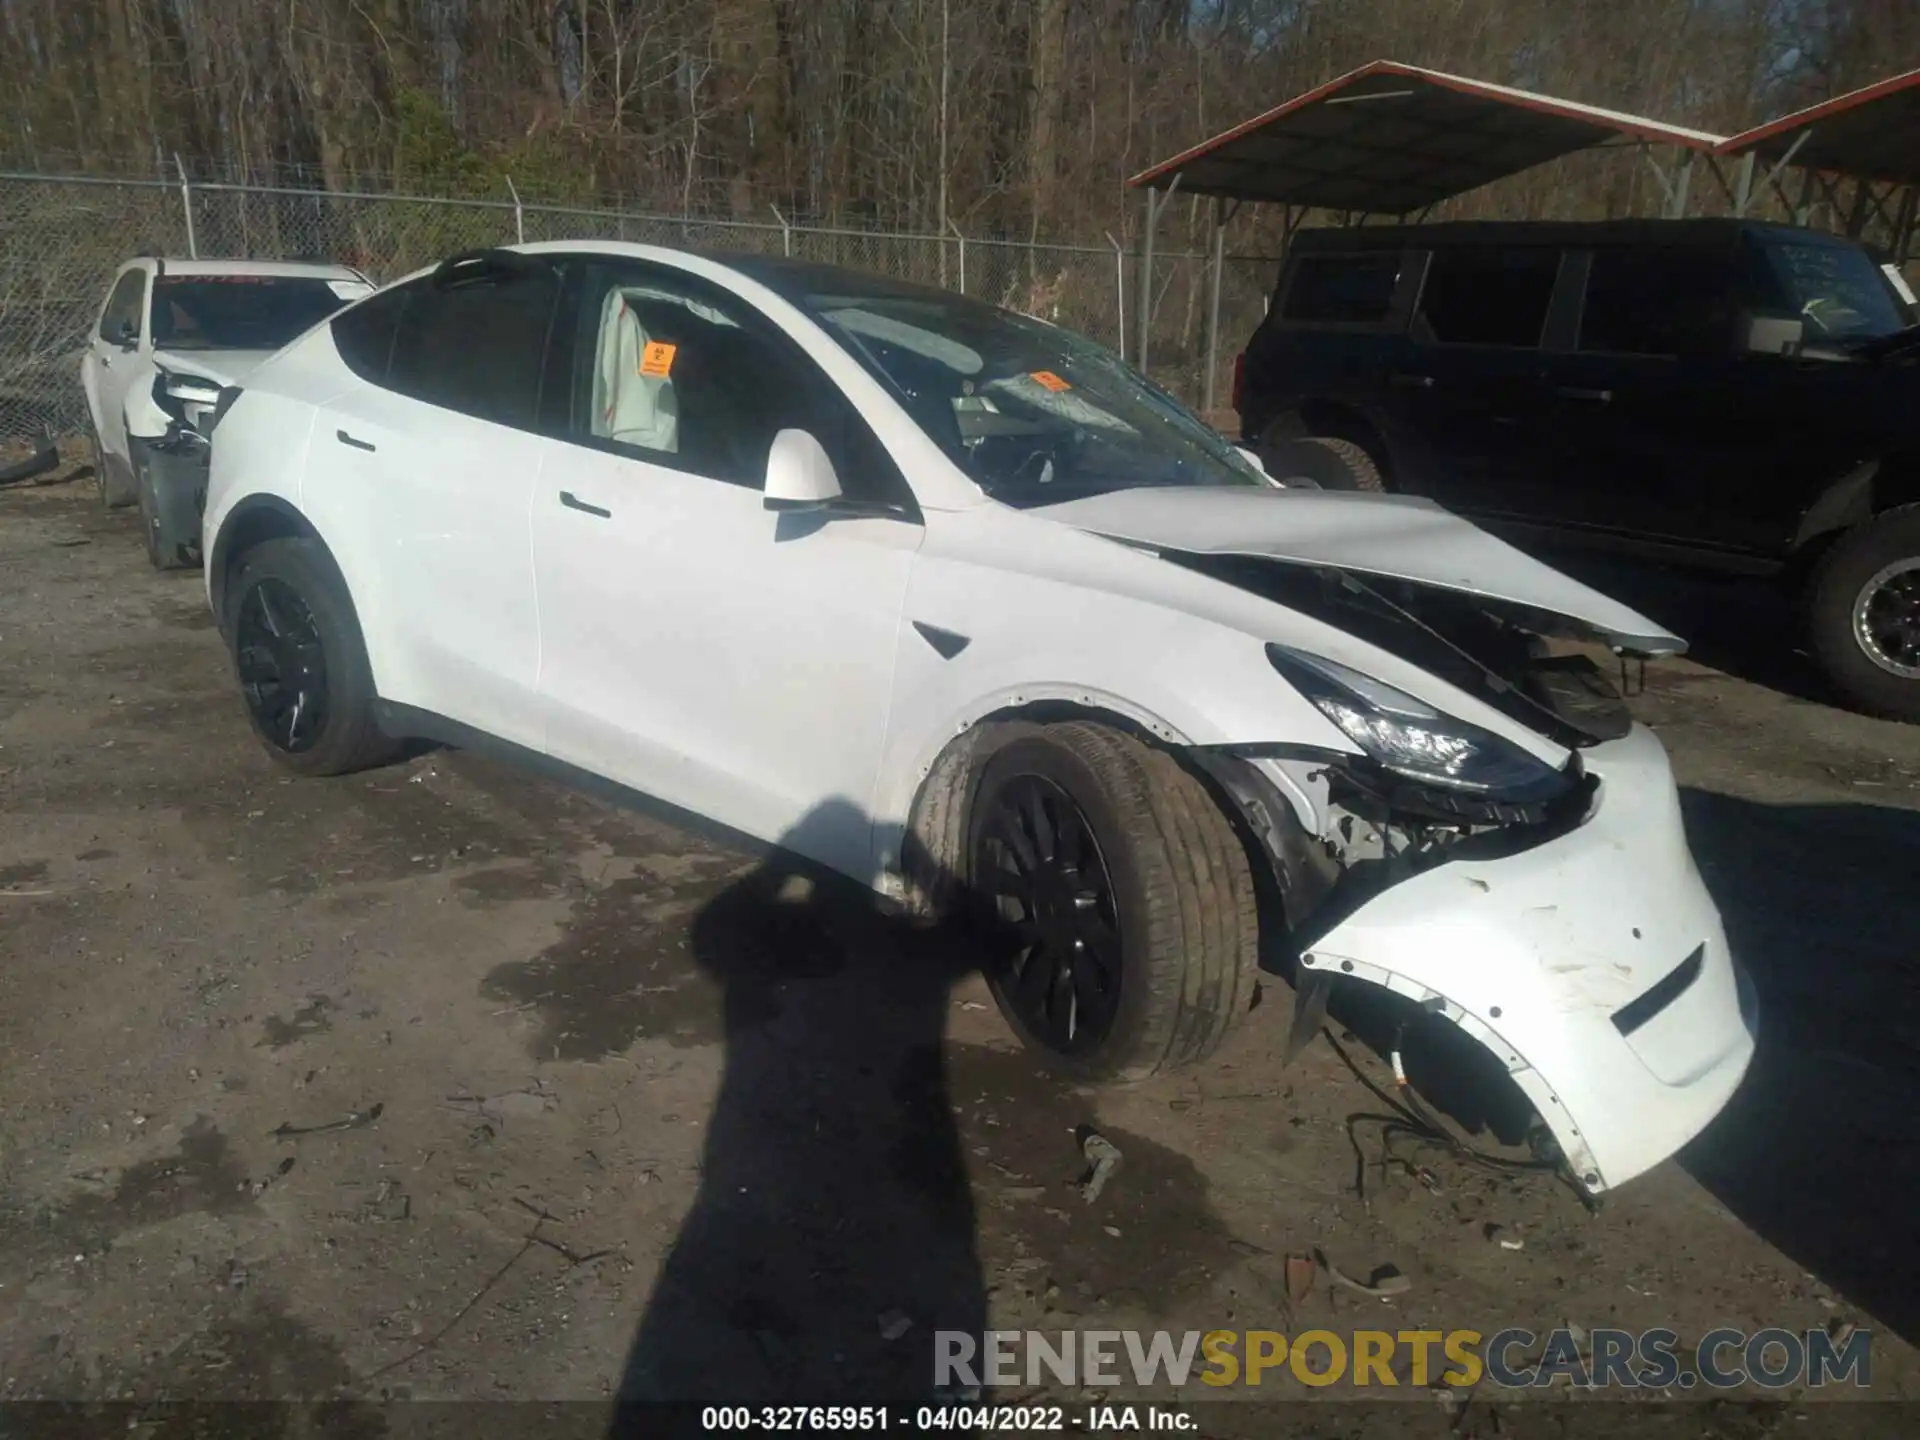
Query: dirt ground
x,y
538,1045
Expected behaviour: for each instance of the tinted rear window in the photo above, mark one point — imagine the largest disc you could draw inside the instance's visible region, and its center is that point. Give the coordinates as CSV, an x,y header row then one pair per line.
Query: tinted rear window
x,y
479,348
1487,296
1341,289
364,334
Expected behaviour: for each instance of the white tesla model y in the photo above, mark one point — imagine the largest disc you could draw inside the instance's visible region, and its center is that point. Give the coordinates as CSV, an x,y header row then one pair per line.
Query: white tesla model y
x,y
951,601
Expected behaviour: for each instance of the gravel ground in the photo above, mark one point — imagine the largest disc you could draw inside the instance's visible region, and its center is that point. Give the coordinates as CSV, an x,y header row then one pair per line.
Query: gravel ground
x,y
588,1097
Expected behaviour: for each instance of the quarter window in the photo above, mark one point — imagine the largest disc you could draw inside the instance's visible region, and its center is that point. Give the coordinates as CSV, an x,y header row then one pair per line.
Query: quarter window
x,y
1341,289
1487,296
124,307
364,334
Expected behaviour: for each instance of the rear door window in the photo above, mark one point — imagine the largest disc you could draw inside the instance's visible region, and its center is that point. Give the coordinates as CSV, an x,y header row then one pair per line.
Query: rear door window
x,y
1487,296
1341,289
478,346
1658,302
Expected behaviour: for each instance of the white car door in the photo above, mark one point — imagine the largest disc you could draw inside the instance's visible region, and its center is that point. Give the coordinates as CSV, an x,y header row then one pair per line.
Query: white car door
x,y
116,358
695,645
422,477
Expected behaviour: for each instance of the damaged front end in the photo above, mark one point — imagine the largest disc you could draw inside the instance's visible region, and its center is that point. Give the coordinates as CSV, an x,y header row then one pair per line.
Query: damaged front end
x,y
169,438
1553,915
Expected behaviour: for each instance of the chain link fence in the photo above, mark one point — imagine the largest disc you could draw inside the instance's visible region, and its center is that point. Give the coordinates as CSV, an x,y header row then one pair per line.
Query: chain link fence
x,y
62,238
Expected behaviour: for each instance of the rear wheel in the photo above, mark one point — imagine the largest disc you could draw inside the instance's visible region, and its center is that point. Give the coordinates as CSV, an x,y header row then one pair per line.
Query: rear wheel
x,y
301,663
1329,463
1863,614
1116,903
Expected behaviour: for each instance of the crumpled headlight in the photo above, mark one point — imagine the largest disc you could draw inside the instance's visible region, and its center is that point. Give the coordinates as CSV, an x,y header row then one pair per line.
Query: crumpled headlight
x,y
1411,738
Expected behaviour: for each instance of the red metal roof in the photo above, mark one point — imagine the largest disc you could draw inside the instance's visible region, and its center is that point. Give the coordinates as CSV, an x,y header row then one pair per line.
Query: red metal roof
x,y
1873,132
1391,138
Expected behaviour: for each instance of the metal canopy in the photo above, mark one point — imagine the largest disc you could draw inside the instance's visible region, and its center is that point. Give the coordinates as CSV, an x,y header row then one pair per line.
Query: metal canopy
x,y
1870,134
1391,139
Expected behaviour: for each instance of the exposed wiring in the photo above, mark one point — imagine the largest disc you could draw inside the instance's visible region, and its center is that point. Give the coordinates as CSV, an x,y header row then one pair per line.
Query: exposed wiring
x,y
1411,1118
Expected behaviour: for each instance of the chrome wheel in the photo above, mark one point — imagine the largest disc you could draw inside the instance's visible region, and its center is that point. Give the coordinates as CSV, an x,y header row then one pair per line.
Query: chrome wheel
x,y
1886,619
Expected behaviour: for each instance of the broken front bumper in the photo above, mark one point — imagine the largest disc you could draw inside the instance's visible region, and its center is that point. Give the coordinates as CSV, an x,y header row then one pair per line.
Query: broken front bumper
x,y
1593,966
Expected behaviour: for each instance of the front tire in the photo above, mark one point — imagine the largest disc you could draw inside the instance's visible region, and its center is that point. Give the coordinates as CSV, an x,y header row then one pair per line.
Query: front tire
x,y
1863,613
1116,903
301,662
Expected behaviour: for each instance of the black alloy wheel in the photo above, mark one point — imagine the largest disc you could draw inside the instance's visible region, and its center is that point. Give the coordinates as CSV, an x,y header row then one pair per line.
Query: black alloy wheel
x,y
1055,957
282,665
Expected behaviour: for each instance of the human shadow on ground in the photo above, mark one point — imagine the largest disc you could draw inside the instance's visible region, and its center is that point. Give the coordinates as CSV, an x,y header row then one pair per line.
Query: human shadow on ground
x,y
833,1231
1817,1151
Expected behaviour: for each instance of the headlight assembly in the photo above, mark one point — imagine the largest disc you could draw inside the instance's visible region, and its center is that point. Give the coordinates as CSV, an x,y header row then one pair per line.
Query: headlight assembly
x,y
1409,737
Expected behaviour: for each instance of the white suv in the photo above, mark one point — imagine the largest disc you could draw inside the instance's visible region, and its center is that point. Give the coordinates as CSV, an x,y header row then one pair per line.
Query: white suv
x,y
951,601
169,335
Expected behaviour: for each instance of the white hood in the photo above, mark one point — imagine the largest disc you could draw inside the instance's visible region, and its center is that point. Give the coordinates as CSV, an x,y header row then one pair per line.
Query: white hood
x,y
223,367
1391,536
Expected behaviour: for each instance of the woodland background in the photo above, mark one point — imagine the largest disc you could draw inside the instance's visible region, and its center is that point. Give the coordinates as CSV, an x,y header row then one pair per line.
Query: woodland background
x,y
1017,119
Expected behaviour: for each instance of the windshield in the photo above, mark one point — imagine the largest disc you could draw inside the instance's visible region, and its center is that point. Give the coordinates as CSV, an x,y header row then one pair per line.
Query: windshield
x,y
241,312
1034,414
1836,289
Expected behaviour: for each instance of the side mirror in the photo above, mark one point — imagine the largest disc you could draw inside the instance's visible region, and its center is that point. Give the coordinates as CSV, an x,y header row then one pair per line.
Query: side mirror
x,y
1773,334
800,476
126,335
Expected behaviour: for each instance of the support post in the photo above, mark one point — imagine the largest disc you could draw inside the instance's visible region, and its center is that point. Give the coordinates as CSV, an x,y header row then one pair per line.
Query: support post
x,y
1219,261
519,215
786,232
1903,225
1743,188
1154,206
1857,217
963,254
186,205
1803,211
1682,181
1120,291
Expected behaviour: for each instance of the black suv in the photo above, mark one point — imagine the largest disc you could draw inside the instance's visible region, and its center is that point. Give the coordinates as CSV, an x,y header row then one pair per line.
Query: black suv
x,y
1719,393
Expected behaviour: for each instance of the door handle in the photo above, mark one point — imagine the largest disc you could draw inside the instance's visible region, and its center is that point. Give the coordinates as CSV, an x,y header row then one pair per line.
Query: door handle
x,y
1413,382
353,442
106,362
574,502
1576,392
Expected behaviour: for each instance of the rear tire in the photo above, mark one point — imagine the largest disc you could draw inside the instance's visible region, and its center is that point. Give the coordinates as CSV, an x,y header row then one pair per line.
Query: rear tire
x,y
301,662
1863,614
1328,462
1116,903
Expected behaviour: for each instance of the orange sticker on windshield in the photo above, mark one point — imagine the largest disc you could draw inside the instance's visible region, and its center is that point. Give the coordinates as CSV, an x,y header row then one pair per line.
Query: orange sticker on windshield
x,y
1047,380
656,361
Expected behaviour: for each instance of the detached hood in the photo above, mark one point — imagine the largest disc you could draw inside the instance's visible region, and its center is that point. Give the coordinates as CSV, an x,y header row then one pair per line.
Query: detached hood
x,y
223,367
1393,537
